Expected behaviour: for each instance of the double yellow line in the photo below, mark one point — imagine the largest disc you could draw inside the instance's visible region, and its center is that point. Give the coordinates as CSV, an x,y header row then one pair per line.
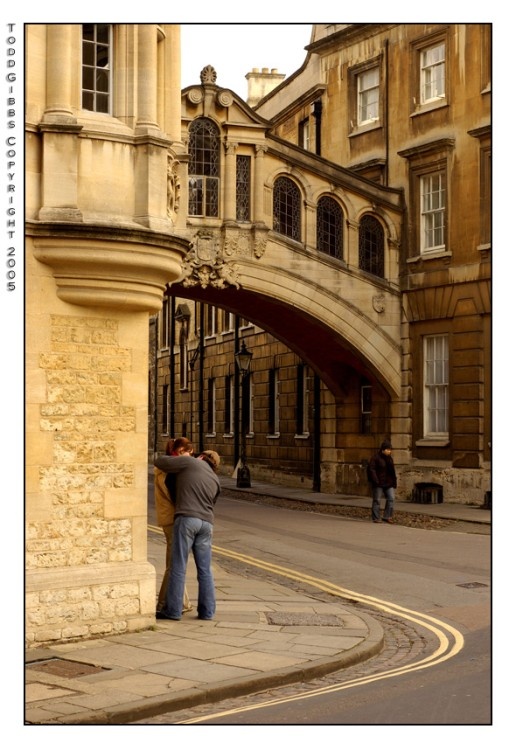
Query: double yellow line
x,y
450,640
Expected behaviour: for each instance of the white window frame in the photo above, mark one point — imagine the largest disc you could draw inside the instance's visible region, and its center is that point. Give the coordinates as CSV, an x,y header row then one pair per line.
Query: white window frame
x,y
228,322
432,189
432,73
305,129
436,386
304,405
109,68
184,380
212,320
212,405
165,417
366,103
250,415
275,402
164,324
231,407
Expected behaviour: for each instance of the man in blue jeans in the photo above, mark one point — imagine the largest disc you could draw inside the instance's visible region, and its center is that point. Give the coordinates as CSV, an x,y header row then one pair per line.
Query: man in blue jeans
x,y
197,489
382,475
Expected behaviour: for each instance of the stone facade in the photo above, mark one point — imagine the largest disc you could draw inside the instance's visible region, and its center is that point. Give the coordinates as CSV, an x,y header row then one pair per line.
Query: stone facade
x,y
102,240
443,293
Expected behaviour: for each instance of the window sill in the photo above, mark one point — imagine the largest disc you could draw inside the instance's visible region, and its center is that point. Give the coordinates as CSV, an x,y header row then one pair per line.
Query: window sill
x,y
273,436
302,436
433,443
365,128
423,109
430,256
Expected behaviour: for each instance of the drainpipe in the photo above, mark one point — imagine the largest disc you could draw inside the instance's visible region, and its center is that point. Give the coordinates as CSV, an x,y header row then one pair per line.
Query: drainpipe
x,y
317,111
172,367
155,409
317,436
386,44
201,383
236,397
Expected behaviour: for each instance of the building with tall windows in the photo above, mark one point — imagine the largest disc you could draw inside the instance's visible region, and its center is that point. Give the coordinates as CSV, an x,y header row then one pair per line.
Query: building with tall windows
x,y
402,109
103,238
337,227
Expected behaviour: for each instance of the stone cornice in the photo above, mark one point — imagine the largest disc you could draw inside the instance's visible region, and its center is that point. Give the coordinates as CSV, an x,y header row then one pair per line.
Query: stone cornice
x,y
108,266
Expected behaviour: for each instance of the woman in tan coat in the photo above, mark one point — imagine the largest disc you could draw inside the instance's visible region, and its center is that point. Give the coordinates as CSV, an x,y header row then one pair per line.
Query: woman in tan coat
x,y
165,511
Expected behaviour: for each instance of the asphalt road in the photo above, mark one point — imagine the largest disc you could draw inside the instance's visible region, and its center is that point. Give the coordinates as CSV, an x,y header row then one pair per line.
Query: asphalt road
x,y
439,574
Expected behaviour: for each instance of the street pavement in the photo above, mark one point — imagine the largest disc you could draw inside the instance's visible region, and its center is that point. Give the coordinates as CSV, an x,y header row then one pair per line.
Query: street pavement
x,y
264,635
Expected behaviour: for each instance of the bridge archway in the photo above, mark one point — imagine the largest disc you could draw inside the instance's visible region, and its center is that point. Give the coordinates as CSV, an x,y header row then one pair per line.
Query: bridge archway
x,y
331,316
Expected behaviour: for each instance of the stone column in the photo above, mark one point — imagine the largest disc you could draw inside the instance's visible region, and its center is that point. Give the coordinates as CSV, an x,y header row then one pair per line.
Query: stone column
x,y
59,72
311,224
151,203
172,83
60,147
257,203
147,77
229,188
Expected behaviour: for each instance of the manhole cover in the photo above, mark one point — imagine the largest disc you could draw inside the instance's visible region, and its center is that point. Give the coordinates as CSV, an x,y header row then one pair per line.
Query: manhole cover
x,y
472,585
64,668
300,618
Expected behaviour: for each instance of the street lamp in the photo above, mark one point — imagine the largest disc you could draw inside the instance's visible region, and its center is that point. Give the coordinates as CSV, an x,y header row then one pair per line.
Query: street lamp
x,y
191,362
243,360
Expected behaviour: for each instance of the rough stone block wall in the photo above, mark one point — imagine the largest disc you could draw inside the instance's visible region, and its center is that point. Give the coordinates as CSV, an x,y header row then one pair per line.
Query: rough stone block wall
x,y
80,533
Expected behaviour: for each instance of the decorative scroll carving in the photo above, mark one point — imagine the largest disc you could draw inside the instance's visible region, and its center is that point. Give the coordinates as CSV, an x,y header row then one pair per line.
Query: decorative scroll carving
x,y
173,186
195,95
204,264
225,98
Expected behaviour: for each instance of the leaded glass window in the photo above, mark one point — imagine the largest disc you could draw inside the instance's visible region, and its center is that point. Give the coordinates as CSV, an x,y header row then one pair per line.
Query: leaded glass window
x,y
329,227
243,188
371,246
287,208
203,168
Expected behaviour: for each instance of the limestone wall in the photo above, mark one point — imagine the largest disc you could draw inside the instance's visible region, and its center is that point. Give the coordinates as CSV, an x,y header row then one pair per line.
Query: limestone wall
x,y
86,467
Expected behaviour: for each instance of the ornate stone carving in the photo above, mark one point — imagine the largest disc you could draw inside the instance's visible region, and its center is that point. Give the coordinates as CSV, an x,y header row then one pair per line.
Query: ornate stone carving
x,y
260,240
208,75
236,243
173,186
204,264
225,98
195,95
379,303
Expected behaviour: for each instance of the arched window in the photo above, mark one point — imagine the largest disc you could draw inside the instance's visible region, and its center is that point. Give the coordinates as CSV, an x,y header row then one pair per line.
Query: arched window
x,y
370,246
329,227
287,208
203,168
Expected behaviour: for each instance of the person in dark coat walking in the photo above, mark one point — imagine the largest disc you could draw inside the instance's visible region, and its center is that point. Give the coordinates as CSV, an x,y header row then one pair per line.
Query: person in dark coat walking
x,y
382,475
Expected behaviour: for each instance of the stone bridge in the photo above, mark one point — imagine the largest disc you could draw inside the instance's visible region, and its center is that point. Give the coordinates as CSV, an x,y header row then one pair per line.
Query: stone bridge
x,y
323,297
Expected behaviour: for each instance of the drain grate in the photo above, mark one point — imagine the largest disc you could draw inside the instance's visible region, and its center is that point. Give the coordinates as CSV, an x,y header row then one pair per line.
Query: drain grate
x,y
65,668
473,585
300,618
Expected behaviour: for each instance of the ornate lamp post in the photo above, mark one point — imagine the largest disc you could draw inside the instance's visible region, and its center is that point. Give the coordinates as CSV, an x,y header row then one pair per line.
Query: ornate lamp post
x,y
191,362
243,360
